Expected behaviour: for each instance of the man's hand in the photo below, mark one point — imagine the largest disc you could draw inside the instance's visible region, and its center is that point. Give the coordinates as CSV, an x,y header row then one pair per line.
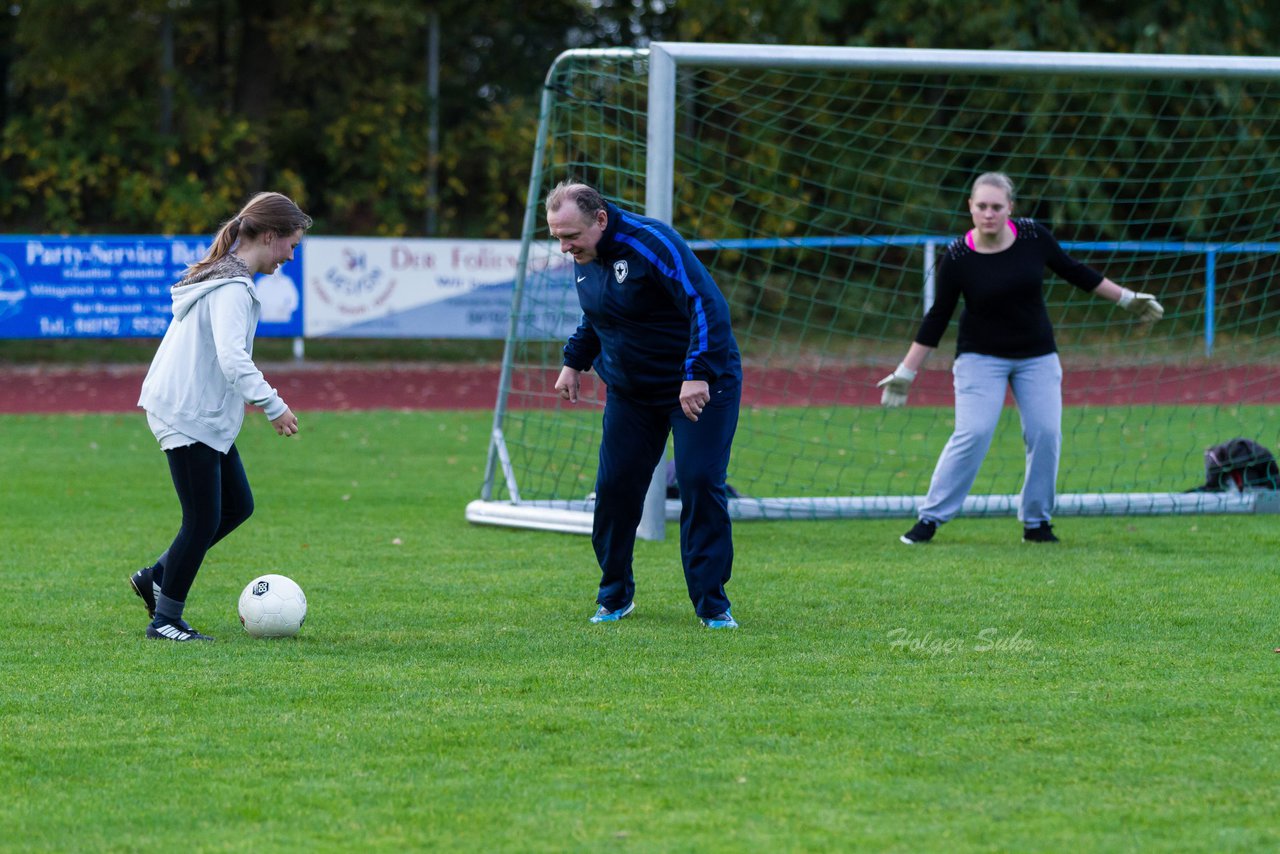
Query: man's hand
x,y
896,386
1142,305
569,382
286,423
694,395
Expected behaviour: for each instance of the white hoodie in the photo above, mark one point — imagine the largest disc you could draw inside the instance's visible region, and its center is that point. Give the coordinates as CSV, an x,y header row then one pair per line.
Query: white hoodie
x,y
203,372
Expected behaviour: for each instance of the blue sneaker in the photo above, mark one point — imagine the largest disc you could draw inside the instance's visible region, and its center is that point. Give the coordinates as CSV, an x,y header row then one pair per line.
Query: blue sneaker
x,y
604,615
720,621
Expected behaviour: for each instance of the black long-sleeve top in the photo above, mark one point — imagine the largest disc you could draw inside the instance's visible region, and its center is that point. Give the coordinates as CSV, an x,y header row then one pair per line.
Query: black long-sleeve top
x,y
652,317
1004,310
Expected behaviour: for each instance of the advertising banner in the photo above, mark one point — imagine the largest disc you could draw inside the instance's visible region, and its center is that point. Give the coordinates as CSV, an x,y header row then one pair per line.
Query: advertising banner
x,y
428,288
117,287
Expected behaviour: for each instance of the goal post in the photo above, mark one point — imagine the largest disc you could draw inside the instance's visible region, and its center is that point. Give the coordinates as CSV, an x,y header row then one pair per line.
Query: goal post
x,y
819,185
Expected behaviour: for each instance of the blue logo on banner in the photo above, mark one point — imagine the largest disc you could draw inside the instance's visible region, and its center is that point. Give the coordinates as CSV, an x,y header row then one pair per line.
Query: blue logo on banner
x,y
11,288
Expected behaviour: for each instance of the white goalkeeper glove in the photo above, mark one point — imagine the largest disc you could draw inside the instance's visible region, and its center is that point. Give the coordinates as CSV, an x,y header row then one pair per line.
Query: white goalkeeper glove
x,y
1143,305
896,386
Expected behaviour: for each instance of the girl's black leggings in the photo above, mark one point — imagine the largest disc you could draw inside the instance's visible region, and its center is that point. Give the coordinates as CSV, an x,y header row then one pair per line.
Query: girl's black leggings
x,y
215,497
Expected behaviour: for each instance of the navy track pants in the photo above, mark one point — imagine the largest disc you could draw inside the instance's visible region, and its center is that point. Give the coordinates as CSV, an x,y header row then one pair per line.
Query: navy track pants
x,y
635,437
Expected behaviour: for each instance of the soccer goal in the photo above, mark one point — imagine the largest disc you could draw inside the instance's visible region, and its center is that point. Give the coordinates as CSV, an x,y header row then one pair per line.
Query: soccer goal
x,y
819,185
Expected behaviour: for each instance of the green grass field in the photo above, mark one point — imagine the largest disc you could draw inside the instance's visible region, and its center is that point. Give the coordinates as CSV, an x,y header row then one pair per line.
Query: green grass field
x,y
1116,692
859,451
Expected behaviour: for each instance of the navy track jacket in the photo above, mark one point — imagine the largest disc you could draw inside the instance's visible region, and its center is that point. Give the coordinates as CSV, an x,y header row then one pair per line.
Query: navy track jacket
x,y
652,318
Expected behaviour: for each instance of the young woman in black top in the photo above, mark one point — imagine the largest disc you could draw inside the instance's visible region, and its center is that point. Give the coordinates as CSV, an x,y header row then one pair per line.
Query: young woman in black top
x,y
1005,340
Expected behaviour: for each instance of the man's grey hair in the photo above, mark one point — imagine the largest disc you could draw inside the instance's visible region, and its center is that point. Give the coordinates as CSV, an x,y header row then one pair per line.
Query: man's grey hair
x,y
586,198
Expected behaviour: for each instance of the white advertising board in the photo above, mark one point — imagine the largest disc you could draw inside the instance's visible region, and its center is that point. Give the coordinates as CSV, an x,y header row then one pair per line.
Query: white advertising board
x,y
372,287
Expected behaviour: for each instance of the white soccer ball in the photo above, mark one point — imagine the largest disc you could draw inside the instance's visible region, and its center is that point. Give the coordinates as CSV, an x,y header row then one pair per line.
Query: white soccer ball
x,y
272,606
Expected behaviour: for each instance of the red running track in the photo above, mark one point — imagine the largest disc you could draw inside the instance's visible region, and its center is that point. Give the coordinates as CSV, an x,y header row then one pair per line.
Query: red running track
x,y
327,387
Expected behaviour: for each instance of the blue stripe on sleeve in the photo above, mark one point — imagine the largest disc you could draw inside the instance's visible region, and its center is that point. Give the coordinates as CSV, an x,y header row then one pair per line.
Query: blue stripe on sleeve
x,y
678,274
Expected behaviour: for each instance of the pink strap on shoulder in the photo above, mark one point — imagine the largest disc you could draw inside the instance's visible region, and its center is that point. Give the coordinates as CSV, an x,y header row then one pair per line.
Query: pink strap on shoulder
x,y
968,235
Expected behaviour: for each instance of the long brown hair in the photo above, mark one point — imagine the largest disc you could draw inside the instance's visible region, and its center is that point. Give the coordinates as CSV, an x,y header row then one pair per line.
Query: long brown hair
x,y
265,213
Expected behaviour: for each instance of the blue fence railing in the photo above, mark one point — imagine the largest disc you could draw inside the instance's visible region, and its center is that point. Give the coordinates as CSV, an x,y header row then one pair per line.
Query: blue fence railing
x,y
930,244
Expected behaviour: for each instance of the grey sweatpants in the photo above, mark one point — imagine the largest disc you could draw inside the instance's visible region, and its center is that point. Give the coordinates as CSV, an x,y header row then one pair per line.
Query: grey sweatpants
x,y
980,383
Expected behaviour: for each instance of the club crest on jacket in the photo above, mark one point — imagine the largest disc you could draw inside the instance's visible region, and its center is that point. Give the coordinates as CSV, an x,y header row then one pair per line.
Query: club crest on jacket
x,y
620,271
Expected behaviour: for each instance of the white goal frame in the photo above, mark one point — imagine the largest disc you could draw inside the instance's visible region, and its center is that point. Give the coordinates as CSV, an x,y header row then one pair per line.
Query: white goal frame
x,y
664,60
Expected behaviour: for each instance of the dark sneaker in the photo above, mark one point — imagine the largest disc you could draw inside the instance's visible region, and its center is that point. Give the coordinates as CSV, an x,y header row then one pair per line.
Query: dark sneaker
x,y
922,533
174,630
140,581
1042,533
720,621
604,615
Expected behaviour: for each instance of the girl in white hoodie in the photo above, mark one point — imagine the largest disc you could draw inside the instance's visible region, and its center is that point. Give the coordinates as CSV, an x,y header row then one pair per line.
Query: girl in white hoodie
x,y
195,392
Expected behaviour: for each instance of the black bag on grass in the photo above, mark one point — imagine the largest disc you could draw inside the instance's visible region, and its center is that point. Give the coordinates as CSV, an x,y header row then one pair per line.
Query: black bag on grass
x,y
1238,465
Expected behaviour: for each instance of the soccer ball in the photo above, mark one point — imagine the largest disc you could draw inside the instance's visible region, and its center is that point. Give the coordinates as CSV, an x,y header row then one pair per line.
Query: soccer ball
x,y
272,606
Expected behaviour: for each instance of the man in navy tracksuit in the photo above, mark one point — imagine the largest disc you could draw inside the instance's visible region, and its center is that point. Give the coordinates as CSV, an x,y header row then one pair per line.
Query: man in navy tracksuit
x,y
656,329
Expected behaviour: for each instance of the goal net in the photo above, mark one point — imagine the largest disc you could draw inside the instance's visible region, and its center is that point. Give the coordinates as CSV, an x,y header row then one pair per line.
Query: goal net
x,y
820,185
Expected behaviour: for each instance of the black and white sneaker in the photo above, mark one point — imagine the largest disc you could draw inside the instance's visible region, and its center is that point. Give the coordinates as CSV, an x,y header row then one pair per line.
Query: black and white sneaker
x,y
922,533
1042,533
174,630
140,581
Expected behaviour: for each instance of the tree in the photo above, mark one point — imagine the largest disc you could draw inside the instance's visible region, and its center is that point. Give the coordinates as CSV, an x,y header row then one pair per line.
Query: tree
x,y
325,99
